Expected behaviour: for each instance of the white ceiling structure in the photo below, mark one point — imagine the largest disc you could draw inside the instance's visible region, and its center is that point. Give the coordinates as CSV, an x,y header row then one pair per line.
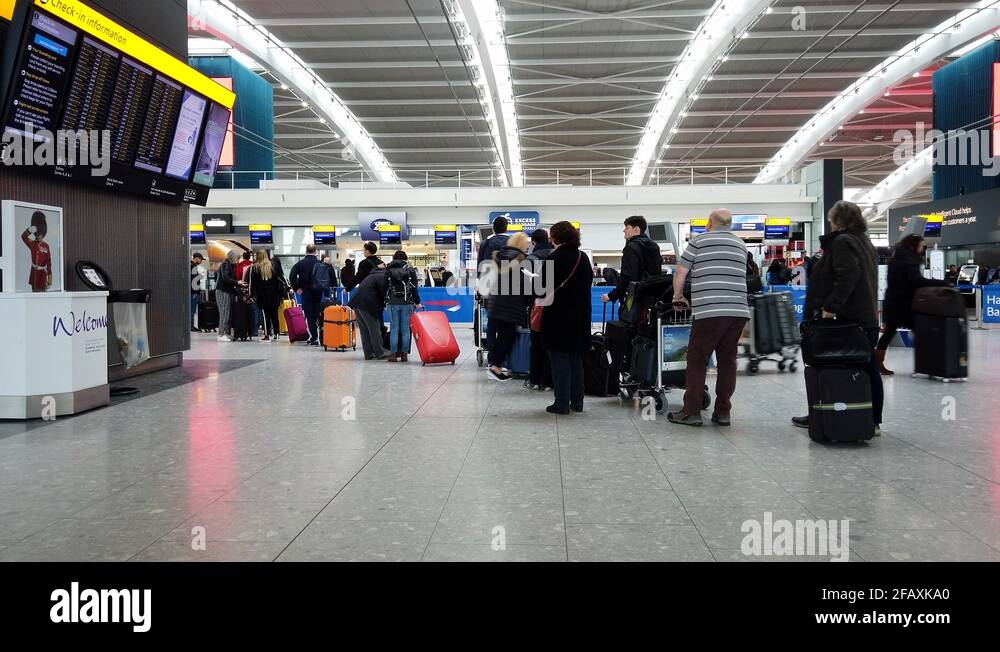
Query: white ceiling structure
x,y
589,91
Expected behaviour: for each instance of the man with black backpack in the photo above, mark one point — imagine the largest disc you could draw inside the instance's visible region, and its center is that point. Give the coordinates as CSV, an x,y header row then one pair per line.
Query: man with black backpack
x,y
640,259
402,298
310,279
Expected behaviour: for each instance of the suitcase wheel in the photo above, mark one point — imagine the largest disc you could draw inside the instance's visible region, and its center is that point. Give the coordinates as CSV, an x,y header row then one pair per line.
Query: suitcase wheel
x,y
753,368
793,367
706,401
781,366
660,398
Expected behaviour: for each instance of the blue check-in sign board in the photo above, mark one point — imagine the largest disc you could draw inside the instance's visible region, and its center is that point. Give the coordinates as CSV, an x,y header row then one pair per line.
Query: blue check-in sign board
x,y
528,219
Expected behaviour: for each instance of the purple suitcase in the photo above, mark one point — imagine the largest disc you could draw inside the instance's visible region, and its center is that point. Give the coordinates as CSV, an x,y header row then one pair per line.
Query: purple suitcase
x,y
295,319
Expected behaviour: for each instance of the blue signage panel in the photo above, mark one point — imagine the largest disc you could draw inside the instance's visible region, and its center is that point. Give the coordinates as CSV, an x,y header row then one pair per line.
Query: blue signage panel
x,y
528,219
991,304
798,297
261,237
442,238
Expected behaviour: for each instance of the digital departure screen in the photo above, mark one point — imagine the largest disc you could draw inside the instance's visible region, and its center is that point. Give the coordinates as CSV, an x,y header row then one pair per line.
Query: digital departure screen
x,y
92,86
197,237
444,237
324,236
261,234
393,237
211,145
40,75
158,128
69,68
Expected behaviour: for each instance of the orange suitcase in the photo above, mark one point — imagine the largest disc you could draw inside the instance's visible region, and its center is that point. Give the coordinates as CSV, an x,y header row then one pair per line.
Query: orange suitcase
x,y
339,329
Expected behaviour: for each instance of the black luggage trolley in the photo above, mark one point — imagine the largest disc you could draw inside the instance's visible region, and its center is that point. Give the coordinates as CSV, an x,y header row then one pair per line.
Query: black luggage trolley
x,y
673,331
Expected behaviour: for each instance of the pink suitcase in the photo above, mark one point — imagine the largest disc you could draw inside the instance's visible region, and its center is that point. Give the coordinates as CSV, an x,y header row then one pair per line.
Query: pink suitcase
x,y
435,339
298,331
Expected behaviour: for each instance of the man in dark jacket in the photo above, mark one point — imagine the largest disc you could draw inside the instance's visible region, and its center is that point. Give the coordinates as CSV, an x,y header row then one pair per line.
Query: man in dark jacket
x,y
640,258
301,279
369,303
494,243
366,266
843,285
491,245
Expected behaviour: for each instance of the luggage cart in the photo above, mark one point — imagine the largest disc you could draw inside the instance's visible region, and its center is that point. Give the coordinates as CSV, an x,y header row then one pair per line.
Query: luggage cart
x,y
784,329
673,330
479,331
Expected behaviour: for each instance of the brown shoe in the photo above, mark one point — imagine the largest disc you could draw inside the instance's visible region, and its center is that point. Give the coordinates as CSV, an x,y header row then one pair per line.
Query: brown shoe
x,y
393,357
406,357
880,356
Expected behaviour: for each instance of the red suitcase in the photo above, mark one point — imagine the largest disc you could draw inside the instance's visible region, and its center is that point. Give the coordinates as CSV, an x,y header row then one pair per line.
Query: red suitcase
x,y
435,339
295,319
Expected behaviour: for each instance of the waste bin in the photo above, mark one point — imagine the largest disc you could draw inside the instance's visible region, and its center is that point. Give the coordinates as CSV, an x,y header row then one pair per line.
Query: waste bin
x,y
129,333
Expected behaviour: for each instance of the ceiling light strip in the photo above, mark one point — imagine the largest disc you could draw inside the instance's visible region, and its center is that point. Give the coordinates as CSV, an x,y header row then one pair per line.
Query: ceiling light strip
x,y
227,22
479,26
727,23
962,28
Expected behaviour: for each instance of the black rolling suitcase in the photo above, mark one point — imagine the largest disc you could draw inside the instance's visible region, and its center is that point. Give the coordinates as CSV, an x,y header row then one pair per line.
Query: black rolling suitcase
x,y
241,320
208,316
941,346
599,376
774,322
840,404
644,363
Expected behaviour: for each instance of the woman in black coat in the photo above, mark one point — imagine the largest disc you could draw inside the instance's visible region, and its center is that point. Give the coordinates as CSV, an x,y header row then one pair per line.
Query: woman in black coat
x,y
566,321
506,305
904,279
267,291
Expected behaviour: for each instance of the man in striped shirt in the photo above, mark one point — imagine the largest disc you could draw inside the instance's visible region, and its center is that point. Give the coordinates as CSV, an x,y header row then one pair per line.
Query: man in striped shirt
x,y
716,261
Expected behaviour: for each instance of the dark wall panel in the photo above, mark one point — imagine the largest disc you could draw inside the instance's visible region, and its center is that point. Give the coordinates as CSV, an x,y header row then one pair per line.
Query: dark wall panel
x,y
140,243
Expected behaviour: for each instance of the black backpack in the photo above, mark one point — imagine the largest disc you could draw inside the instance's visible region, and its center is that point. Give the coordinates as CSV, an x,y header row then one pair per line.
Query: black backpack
x,y
321,277
400,283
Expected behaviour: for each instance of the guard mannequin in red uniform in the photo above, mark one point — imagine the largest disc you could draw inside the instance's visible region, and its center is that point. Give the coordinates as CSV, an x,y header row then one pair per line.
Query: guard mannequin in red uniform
x,y
40,277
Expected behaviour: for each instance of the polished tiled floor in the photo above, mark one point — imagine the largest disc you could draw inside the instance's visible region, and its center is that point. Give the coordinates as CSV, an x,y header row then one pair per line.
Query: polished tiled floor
x,y
264,462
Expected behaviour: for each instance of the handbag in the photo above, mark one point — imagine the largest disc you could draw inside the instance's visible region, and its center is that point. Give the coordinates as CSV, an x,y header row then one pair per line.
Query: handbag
x,y
833,342
538,311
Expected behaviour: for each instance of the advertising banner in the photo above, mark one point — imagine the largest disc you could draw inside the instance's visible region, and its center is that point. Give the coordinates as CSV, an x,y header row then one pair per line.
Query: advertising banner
x,y
991,304
369,223
966,220
31,248
527,219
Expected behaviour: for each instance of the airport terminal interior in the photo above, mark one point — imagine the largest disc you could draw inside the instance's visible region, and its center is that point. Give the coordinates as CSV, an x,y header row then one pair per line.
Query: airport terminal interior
x,y
183,382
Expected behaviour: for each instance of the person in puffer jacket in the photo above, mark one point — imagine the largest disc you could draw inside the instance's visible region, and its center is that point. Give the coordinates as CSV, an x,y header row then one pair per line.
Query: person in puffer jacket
x,y
507,306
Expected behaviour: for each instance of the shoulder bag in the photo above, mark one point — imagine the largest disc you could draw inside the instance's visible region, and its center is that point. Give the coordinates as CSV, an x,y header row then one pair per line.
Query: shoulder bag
x,y
537,310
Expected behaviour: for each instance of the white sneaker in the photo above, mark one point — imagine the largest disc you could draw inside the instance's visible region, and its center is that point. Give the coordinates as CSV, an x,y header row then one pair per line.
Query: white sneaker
x,y
225,338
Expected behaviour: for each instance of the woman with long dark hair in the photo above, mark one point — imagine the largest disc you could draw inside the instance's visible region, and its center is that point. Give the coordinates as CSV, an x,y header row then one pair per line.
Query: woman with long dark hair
x,y
566,320
904,279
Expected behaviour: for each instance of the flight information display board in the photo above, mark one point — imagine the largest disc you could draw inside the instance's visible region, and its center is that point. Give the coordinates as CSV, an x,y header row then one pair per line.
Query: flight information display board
x,y
390,235
162,124
445,235
324,236
261,234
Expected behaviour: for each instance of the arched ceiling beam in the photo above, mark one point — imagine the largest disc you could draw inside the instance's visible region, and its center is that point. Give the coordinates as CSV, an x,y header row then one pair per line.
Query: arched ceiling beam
x,y
726,23
952,34
232,25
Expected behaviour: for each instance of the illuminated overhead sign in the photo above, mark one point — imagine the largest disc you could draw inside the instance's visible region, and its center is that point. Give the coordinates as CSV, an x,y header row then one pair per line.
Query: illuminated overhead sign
x,y
197,234
446,234
324,235
261,234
